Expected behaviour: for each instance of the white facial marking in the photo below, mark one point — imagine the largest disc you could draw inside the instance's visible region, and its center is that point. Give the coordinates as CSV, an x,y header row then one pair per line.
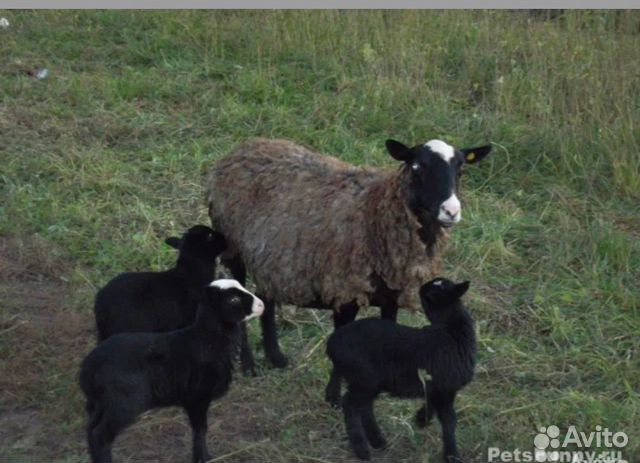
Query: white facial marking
x,y
258,306
226,283
437,283
256,309
442,149
450,212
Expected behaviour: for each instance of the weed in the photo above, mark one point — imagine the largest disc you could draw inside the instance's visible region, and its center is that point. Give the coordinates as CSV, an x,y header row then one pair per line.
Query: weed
x,y
106,157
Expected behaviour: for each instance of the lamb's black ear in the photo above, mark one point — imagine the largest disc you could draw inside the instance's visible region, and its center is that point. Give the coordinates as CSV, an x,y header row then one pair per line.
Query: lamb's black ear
x,y
219,240
473,155
461,288
210,293
174,242
425,293
398,151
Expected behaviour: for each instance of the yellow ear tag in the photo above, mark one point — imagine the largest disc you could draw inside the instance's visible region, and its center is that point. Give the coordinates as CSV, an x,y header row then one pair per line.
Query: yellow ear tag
x,y
471,156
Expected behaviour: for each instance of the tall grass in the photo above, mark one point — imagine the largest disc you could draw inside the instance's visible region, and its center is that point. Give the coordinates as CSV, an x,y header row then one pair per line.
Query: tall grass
x,y
106,157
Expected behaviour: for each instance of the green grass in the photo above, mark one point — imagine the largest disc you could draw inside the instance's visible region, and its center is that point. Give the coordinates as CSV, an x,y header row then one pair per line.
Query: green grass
x,y
105,158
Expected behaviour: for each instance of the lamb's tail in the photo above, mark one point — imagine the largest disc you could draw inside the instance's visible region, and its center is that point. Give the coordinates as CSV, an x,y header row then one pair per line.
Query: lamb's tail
x,y
85,378
102,318
94,407
95,410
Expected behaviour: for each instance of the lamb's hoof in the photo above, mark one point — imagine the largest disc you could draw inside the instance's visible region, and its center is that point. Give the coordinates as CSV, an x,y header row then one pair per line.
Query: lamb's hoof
x,y
378,442
421,418
333,399
362,453
202,458
453,458
249,370
278,359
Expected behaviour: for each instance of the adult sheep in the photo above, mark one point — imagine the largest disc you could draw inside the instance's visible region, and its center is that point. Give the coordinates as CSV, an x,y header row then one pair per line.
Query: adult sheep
x,y
315,231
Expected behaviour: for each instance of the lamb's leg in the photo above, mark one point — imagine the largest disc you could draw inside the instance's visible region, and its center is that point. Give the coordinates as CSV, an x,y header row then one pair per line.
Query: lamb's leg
x,y
101,433
424,415
352,408
239,272
99,444
198,418
270,336
443,403
346,314
371,428
246,357
98,451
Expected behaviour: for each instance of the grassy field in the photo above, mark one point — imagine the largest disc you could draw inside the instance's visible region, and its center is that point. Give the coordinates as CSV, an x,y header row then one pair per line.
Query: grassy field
x,y
104,158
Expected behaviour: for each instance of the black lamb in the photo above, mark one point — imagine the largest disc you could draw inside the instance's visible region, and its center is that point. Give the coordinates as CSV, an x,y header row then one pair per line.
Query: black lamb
x,y
130,373
160,301
375,355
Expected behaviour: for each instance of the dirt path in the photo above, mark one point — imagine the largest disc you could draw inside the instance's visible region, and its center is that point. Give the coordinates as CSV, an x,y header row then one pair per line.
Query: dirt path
x,y
44,335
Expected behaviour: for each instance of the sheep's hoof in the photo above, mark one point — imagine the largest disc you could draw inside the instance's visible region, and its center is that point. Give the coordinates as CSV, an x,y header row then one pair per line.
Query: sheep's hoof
x,y
278,359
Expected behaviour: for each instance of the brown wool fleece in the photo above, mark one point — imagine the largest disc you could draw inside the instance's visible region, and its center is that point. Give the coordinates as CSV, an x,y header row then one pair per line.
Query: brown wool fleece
x,y
310,227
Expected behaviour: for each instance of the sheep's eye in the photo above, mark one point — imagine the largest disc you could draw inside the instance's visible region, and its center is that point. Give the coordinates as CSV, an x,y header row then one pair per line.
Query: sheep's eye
x,y
415,166
234,300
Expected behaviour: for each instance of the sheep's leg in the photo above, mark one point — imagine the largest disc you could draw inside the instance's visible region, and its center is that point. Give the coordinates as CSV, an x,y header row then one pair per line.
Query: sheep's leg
x,y
237,269
443,403
389,310
346,314
198,418
270,336
371,428
387,300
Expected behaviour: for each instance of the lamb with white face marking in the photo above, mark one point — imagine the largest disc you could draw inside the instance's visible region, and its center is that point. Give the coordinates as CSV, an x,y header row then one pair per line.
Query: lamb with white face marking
x,y
238,298
130,373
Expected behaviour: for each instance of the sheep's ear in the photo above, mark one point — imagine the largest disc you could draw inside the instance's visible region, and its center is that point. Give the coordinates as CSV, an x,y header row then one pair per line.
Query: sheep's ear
x,y
398,151
461,288
173,242
473,155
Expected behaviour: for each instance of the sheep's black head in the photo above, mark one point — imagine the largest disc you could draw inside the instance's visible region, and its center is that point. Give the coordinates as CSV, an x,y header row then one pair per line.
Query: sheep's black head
x,y
434,171
231,303
200,241
439,295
